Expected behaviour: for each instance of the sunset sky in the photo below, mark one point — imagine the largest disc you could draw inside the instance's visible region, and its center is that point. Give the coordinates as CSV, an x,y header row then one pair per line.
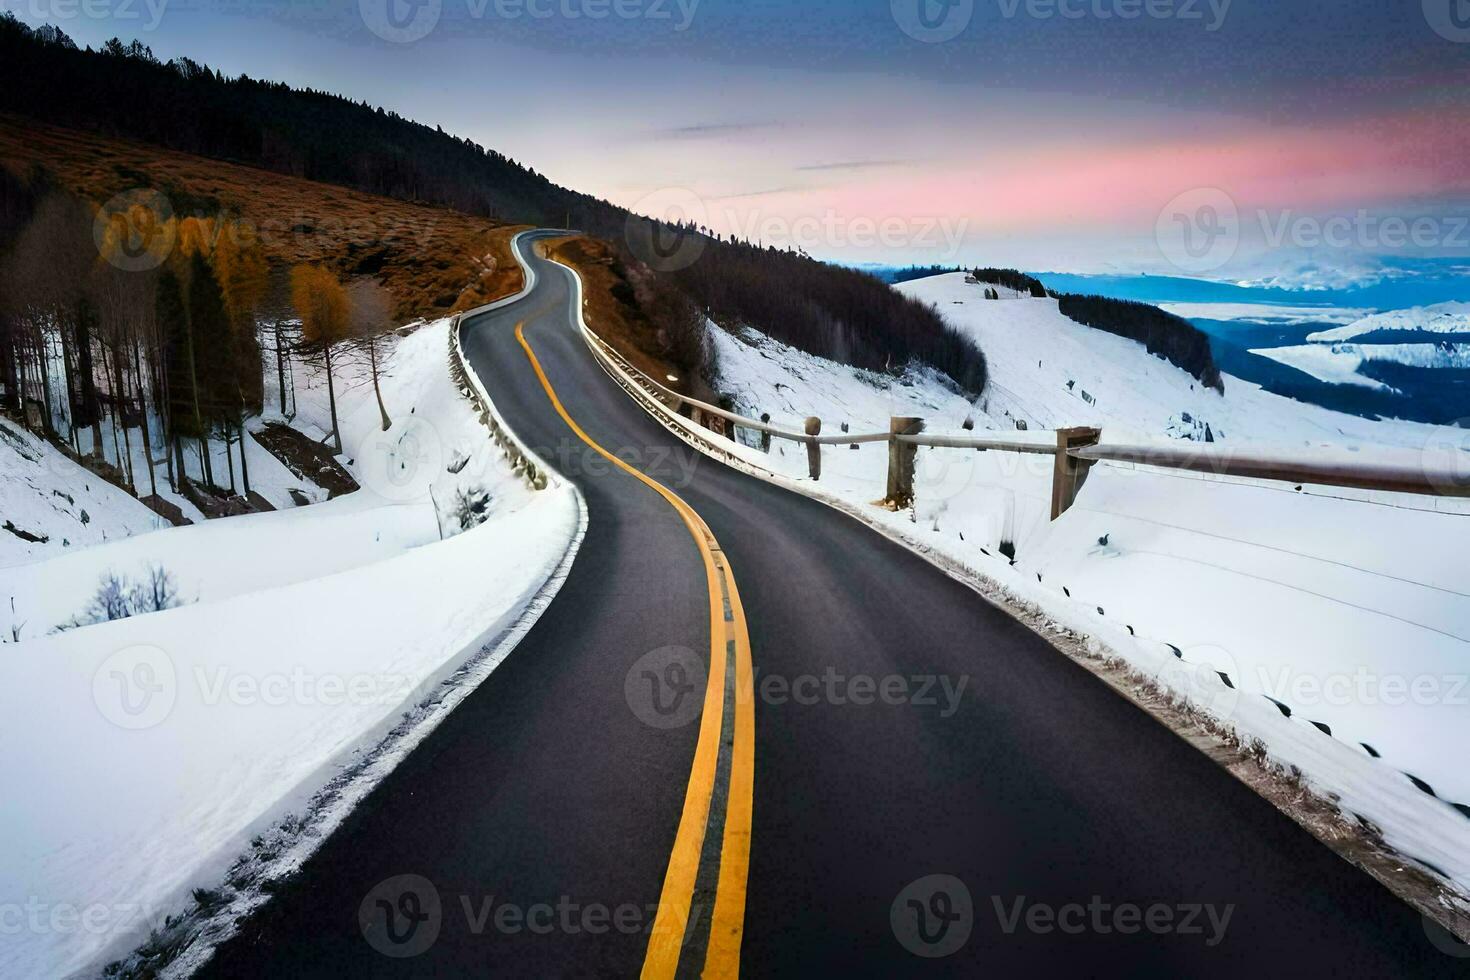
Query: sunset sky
x,y
1044,134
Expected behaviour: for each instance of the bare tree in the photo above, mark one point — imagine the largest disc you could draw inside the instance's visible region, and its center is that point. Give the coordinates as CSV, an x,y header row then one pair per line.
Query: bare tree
x,y
322,304
371,320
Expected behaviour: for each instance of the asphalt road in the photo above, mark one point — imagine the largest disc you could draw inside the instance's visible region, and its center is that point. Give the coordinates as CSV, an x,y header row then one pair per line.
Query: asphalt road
x,y
1074,833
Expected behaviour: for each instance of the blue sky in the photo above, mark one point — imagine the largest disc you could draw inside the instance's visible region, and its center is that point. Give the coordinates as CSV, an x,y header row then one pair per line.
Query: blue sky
x,y
1275,141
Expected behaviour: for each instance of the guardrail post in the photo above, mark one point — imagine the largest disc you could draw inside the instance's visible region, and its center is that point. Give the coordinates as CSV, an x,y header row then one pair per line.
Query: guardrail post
x,y
901,457
766,436
813,450
1070,473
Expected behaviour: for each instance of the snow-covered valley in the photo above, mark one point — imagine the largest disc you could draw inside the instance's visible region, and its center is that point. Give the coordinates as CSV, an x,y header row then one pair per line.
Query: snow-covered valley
x,y
1421,345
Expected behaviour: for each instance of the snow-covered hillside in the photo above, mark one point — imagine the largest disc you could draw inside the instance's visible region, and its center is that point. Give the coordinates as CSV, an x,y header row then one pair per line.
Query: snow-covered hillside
x,y
46,494
1442,318
1048,371
51,504
299,639
1339,363
1346,608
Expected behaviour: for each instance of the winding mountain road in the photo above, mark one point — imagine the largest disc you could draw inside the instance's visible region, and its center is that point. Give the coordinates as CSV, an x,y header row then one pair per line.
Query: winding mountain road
x,y
921,773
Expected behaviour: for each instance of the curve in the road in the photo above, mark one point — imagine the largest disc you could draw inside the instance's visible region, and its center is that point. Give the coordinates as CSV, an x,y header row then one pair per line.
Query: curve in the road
x,y
1006,772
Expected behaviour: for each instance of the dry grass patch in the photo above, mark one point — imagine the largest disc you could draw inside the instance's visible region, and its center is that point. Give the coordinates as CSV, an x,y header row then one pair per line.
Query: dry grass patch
x,y
612,309
433,260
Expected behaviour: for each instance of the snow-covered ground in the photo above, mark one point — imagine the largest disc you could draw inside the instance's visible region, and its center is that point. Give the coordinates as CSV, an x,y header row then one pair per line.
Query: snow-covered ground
x,y
46,495
1419,337
1444,318
1339,363
40,484
268,477
1350,608
143,754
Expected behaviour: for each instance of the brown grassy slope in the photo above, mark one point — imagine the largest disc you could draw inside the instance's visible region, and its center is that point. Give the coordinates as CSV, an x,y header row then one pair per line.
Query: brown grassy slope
x,y
611,310
433,260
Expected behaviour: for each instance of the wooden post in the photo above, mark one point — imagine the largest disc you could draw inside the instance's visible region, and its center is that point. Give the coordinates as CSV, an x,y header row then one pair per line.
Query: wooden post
x,y
813,450
766,436
1070,473
901,457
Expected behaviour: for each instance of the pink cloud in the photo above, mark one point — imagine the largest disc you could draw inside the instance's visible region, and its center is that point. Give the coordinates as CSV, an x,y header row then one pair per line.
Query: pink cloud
x,y
1364,163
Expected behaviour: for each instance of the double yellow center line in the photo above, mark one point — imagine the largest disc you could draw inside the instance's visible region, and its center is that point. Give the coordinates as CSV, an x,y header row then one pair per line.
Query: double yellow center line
x,y
724,754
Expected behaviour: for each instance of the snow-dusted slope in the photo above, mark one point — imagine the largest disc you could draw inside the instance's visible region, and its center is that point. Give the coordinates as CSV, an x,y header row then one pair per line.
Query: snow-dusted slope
x,y
1045,368
1348,608
1339,363
1446,318
141,755
43,494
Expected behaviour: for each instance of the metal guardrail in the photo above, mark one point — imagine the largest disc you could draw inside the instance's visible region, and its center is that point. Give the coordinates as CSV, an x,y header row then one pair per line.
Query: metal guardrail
x,y
1075,450
668,395
524,461
1220,461
1426,480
